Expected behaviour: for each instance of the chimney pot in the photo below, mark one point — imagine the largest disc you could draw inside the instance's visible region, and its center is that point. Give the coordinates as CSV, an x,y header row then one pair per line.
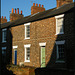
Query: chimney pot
x,y
21,12
42,5
39,5
36,4
17,10
2,16
33,4
12,10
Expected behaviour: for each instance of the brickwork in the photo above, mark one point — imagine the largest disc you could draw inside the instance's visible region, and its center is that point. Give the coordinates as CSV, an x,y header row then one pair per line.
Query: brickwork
x,y
15,16
3,20
41,31
62,2
36,8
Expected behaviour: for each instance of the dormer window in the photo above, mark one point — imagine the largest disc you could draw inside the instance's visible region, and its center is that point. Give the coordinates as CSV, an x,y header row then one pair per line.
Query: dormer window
x,y
4,33
59,24
27,31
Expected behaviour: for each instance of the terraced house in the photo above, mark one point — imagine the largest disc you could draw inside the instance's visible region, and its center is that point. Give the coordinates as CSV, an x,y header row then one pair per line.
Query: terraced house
x,y
43,39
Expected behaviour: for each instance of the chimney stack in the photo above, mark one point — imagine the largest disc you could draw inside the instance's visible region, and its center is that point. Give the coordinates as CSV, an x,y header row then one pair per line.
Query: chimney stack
x,y
16,15
36,9
3,20
62,2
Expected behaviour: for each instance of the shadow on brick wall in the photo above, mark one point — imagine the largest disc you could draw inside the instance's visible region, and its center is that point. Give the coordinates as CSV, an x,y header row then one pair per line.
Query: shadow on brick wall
x,y
68,67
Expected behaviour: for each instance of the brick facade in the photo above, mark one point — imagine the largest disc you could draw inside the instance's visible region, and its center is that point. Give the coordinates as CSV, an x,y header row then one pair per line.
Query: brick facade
x,y
43,31
39,32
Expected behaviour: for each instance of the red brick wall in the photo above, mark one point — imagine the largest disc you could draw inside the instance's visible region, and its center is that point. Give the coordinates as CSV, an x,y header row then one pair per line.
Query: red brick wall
x,y
62,2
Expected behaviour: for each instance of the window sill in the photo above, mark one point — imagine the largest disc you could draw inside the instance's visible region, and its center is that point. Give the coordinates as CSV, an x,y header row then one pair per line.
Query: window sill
x,y
27,61
3,41
60,62
59,33
26,38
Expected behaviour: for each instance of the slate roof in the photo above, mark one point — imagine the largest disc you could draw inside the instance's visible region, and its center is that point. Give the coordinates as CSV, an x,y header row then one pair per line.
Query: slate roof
x,y
40,16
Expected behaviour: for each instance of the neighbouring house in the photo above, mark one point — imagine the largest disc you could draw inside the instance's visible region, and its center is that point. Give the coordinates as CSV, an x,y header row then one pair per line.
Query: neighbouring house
x,y
45,38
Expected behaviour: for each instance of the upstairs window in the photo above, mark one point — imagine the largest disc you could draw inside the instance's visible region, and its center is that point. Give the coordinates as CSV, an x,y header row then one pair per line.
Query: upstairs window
x,y
27,31
4,33
59,24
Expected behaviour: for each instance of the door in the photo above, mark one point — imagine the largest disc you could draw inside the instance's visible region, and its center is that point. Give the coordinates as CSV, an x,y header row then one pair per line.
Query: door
x,y
15,57
42,56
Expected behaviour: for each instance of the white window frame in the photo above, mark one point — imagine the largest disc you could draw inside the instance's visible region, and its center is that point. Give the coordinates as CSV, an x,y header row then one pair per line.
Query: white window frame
x,y
56,17
25,30
57,55
26,46
3,41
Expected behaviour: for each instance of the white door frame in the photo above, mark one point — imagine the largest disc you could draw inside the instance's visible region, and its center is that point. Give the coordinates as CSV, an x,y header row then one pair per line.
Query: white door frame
x,y
41,45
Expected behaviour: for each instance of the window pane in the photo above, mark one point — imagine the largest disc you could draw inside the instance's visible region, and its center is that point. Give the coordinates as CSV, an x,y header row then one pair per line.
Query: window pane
x,y
28,53
28,31
59,25
61,52
4,35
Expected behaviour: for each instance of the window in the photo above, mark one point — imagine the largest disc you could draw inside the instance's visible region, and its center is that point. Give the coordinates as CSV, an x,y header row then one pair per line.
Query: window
x,y
4,54
60,51
27,31
27,53
4,35
4,51
59,24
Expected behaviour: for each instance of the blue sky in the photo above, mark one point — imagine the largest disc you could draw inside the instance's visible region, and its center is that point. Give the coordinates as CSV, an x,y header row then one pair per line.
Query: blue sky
x,y
24,5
